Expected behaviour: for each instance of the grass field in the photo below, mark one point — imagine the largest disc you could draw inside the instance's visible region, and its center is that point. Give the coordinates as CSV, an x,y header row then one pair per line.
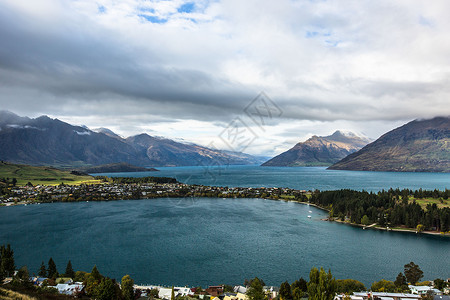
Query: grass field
x,y
439,202
41,175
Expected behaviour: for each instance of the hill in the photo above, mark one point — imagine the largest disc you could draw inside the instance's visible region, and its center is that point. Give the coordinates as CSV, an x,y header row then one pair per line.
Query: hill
x,y
114,168
319,150
46,141
418,146
40,175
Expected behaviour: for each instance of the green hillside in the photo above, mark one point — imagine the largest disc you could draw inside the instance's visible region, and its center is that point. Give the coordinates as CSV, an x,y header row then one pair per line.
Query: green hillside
x,y
40,175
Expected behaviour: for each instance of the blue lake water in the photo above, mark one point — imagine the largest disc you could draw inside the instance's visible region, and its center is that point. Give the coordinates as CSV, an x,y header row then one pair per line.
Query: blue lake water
x,y
200,241
213,241
303,178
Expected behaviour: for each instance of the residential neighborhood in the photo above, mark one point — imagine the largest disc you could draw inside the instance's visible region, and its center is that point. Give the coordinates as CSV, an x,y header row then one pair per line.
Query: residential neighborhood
x,y
30,194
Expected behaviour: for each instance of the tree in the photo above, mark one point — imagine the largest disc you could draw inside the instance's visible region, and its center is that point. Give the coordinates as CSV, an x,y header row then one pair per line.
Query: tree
x,y
96,274
302,284
92,281
400,281
255,291
321,285
127,287
439,283
285,291
52,271
42,270
172,294
2,275
365,220
420,228
413,273
23,274
7,262
80,276
349,286
383,286
69,270
106,290
297,293
2,272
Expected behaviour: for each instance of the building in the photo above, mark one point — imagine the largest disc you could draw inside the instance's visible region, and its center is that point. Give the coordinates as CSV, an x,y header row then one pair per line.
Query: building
x,y
69,289
423,290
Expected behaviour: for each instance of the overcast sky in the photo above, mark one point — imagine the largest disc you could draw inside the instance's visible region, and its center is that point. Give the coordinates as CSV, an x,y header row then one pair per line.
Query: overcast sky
x,y
188,69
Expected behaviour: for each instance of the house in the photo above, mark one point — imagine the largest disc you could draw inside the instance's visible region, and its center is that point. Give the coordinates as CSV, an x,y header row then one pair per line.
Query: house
x,y
69,289
423,290
229,296
241,296
165,293
385,296
38,280
183,291
353,297
240,289
215,290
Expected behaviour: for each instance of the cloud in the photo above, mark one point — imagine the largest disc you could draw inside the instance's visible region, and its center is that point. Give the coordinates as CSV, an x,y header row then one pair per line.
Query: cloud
x,y
204,61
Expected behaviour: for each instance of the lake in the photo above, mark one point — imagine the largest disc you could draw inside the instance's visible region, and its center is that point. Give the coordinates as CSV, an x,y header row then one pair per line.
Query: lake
x,y
302,178
203,241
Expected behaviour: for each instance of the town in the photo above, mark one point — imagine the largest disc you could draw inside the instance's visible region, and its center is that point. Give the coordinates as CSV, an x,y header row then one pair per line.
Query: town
x,y
137,188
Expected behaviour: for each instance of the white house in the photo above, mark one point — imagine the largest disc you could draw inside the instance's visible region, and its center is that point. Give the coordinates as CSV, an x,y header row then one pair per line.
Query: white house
x,y
423,290
69,289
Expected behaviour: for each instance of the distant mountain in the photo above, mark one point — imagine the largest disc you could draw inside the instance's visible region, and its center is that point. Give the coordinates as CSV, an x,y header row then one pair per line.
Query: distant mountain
x,y
115,168
107,132
418,146
166,152
319,150
46,141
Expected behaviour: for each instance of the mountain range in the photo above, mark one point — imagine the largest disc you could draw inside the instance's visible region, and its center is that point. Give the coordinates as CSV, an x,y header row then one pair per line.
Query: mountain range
x,y
320,150
418,146
46,141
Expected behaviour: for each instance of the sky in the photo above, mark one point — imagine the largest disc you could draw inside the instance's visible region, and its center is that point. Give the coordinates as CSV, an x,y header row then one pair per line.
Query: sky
x,y
194,70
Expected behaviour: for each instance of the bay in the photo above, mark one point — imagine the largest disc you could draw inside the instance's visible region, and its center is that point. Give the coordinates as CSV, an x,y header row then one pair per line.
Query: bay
x,y
203,241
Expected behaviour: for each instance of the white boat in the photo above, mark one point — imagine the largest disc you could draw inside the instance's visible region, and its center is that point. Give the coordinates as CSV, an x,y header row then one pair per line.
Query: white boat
x,y
309,217
310,211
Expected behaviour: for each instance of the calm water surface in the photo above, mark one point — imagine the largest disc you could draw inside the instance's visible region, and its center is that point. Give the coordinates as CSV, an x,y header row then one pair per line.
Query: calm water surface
x,y
198,241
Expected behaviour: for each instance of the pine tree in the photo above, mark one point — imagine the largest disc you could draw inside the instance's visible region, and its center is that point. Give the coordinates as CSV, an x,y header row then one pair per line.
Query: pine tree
x,y
42,270
400,281
7,260
285,291
255,291
96,274
69,270
52,271
321,285
127,287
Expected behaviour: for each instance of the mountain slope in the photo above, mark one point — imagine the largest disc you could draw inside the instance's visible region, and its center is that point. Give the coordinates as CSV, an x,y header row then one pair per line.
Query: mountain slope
x,y
46,141
319,151
418,146
41,175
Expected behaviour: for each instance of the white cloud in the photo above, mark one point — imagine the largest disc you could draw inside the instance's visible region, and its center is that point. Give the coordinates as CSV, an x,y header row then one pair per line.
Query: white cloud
x,y
326,63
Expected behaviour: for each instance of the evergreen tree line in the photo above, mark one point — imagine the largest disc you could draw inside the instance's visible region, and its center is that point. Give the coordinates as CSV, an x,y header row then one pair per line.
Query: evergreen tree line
x,y
385,207
131,180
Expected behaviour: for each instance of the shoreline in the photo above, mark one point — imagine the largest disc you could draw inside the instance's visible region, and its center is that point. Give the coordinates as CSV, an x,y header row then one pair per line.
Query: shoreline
x,y
372,226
